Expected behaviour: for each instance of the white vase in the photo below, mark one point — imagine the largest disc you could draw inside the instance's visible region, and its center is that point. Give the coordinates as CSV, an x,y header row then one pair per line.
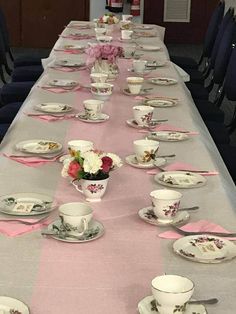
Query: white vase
x,y
103,66
93,190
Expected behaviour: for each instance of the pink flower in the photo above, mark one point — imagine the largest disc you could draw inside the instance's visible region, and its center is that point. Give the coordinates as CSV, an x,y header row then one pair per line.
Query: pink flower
x,y
73,170
106,164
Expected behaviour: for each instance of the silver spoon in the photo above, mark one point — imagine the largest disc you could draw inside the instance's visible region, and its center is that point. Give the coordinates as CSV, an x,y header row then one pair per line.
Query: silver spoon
x,y
188,208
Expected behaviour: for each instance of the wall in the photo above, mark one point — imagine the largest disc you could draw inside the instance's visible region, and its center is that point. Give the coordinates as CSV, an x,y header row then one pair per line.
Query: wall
x,y
97,9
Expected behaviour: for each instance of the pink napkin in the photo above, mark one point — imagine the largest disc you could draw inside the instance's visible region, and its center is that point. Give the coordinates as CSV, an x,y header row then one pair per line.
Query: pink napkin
x,y
70,51
201,225
13,228
59,90
31,161
168,127
76,37
51,118
175,166
68,69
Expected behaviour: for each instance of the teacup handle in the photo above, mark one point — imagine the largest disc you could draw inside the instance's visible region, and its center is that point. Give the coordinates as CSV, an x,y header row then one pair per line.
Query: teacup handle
x,y
77,186
85,226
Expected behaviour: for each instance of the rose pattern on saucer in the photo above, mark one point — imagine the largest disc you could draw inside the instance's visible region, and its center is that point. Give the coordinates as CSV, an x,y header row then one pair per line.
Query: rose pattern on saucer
x,y
14,312
94,188
218,243
150,215
187,254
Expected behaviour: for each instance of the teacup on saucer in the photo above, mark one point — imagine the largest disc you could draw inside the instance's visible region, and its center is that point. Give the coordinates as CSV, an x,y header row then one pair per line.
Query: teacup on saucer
x,y
132,161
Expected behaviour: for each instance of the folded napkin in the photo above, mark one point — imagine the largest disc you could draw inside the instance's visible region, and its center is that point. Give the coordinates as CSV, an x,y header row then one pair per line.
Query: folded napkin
x,y
30,161
76,37
14,228
198,226
175,166
168,127
59,90
50,118
68,69
70,51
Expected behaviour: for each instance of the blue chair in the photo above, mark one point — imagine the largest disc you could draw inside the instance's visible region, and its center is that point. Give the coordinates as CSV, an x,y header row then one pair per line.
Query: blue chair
x,y
15,92
210,37
8,113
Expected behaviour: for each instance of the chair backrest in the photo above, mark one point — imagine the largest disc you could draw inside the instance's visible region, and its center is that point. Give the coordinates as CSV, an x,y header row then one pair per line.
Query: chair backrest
x,y
4,30
230,78
213,28
227,18
224,53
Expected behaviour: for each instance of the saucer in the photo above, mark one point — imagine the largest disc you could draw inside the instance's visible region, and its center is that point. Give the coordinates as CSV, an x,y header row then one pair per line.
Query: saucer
x,y
145,307
102,118
144,91
11,305
133,124
160,102
132,161
205,248
168,136
147,214
162,81
95,231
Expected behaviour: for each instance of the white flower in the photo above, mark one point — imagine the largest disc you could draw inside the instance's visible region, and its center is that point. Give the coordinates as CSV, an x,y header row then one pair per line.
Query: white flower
x,y
92,162
66,164
117,162
105,18
116,20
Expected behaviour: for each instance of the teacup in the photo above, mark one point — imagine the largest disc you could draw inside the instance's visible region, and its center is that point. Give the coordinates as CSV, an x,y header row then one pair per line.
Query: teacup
x,y
171,293
93,108
98,77
100,31
127,17
104,38
134,84
165,204
102,91
143,114
139,66
80,145
145,150
75,217
126,34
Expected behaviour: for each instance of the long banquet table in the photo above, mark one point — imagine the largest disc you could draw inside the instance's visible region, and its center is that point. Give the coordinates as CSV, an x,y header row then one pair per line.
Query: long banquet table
x,y
113,273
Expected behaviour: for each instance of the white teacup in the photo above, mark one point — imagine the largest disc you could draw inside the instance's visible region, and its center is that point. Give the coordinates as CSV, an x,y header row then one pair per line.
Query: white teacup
x,y
127,17
145,150
165,204
125,25
75,217
80,145
93,108
171,293
143,114
139,66
134,84
100,31
126,34
98,77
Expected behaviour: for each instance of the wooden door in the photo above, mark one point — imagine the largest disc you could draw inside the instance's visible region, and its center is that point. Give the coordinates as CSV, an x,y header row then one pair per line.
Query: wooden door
x,y
43,20
192,32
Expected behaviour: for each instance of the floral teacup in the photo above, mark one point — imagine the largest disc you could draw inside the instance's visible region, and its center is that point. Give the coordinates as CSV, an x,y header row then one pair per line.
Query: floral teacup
x,y
145,150
93,190
101,91
80,145
93,108
143,115
165,204
99,77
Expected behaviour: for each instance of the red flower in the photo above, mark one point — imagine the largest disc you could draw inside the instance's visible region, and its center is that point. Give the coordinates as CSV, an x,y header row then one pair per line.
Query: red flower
x,y
106,164
73,170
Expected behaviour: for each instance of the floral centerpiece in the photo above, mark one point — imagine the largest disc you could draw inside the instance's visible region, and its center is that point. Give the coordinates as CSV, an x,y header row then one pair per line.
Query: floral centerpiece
x,y
109,19
91,170
103,58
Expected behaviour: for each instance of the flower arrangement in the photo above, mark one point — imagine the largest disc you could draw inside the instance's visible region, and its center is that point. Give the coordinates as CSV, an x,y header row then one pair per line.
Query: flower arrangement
x,y
91,165
104,52
108,18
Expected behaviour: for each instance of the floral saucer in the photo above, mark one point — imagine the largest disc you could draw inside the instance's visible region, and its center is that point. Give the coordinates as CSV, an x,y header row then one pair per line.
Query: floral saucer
x,y
148,47
56,231
63,83
160,102
168,136
205,248
132,161
102,118
67,63
39,146
147,214
133,124
51,107
162,81
12,306
144,91
147,306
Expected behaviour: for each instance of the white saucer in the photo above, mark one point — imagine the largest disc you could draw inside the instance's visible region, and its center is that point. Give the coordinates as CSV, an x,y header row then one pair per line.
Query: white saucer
x,y
82,117
133,124
95,227
160,102
162,81
145,307
142,92
11,305
132,161
168,136
147,214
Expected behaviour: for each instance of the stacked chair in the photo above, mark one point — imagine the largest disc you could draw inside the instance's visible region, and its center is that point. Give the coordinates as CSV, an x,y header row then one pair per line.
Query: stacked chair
x,y
24,71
